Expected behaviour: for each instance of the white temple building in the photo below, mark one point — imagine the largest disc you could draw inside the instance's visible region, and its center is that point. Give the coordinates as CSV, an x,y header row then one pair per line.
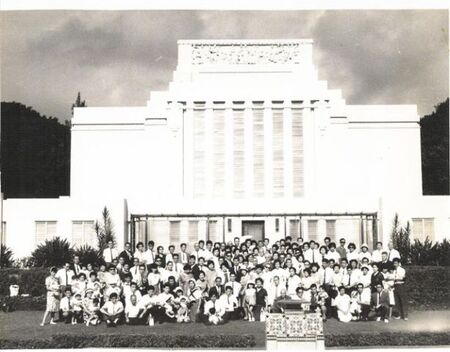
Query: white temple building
x,y
248,141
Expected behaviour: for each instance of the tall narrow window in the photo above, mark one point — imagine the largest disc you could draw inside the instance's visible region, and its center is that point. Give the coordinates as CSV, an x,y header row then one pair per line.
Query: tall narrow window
x,y
174,232
219,153
278,153
192,233
258,153
212,231
297,152
294,229
199,153
331,229
312,230
238,153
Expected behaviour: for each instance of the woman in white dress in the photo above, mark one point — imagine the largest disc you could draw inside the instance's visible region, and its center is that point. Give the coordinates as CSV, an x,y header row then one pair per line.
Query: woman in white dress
x,y
342,302
306,281
53,296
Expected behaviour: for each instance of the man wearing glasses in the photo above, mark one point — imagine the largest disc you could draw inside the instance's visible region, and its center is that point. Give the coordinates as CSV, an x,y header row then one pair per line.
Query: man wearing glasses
x,y
341,249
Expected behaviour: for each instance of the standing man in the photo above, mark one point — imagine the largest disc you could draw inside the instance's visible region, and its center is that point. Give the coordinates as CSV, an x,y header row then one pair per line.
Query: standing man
x,y
76,267
184,257
341,249
376,255
110,253
393,253
401,300
149,255
127,254
64,276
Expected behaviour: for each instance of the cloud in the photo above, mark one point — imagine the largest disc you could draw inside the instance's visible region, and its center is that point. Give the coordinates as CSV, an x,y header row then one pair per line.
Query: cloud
x,y
117,57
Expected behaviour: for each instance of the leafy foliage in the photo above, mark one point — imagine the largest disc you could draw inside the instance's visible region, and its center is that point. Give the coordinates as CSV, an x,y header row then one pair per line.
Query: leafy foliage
x,y
400,238
104,230
54,252
31,281
388,339
35,153
424,253
88,255
6,257
79,103
434,133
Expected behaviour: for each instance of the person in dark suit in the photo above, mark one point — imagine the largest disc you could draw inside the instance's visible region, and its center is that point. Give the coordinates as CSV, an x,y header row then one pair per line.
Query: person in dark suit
x,y
376,278
197,268
218,288
235,269
227,259
76,266
385,262
160,254
380,303
127,254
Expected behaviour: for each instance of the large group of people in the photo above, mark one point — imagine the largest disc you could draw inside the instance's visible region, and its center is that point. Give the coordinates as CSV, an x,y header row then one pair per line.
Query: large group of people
x,y
218,282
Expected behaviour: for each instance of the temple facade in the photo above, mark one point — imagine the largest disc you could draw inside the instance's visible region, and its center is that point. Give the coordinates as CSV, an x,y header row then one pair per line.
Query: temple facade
x,y
246,141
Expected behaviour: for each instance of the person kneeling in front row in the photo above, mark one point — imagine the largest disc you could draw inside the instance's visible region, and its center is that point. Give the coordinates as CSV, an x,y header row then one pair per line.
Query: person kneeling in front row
x,y
112,310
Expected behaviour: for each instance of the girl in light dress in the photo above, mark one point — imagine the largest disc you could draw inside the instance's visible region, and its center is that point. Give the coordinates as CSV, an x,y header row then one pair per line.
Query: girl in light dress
x,y
185,276
306,281
195,298
80,285
154,278
250,300
201,282
77,304
183,311
389,278
91,307
53,296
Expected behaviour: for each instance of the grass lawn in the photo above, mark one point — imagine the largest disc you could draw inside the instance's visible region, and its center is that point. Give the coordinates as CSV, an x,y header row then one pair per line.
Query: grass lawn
x,y
18,328
24,325
422,328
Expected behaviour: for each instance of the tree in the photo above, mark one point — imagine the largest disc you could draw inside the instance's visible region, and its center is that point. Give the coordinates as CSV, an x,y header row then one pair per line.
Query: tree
x,y
54,252
34,152
400,237
79,103
104,230
434,134
6,257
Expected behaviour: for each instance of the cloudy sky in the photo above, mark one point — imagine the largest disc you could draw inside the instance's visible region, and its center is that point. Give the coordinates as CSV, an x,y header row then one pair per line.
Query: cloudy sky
x,y
116,57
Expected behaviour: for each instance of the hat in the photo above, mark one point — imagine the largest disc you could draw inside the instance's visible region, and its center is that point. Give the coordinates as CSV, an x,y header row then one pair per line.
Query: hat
x,y
244,269
89,290
178,289
364,245
364,267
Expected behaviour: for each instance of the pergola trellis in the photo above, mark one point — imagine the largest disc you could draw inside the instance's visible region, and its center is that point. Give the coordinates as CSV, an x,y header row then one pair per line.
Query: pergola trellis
x,y
364,218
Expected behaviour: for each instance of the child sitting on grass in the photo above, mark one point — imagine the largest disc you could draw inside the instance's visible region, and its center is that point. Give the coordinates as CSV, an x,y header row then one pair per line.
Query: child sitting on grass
x,y
112,310
91,307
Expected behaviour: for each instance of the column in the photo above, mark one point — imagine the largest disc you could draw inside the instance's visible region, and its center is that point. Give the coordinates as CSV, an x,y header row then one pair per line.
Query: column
x,y
268,152
287,146
248,151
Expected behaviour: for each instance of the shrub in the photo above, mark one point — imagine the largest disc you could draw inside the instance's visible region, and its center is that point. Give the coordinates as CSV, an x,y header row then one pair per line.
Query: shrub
x,y
25,303
30,281
88,254
388,339
401,239
424,253
117,340
443,253
6,257
54,252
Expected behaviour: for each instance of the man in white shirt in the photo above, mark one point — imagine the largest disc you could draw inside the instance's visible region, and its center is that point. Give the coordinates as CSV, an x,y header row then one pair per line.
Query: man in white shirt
x,y
149,255
401,300
148,306
169,256
376,255
275,290
228,305
64,276
176,263
235,286
325,275
393,253
110,253
360,303
332,253
66,307
213,310
132,310
196,252
112,310
184,257
293,281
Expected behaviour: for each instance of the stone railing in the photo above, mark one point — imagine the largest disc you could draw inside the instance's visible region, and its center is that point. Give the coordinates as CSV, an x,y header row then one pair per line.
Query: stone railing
x,y
298,326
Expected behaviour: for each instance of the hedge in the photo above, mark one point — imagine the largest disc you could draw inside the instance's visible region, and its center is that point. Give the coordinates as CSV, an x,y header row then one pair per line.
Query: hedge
x,y
388,339
428,286
151,340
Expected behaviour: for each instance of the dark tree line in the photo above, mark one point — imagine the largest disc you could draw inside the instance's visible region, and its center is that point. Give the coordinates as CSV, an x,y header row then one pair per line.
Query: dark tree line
x,y
35,152
434,131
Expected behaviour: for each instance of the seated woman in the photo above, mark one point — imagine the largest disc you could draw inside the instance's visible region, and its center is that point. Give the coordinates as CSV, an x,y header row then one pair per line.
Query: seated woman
x,y
213,311
342,303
